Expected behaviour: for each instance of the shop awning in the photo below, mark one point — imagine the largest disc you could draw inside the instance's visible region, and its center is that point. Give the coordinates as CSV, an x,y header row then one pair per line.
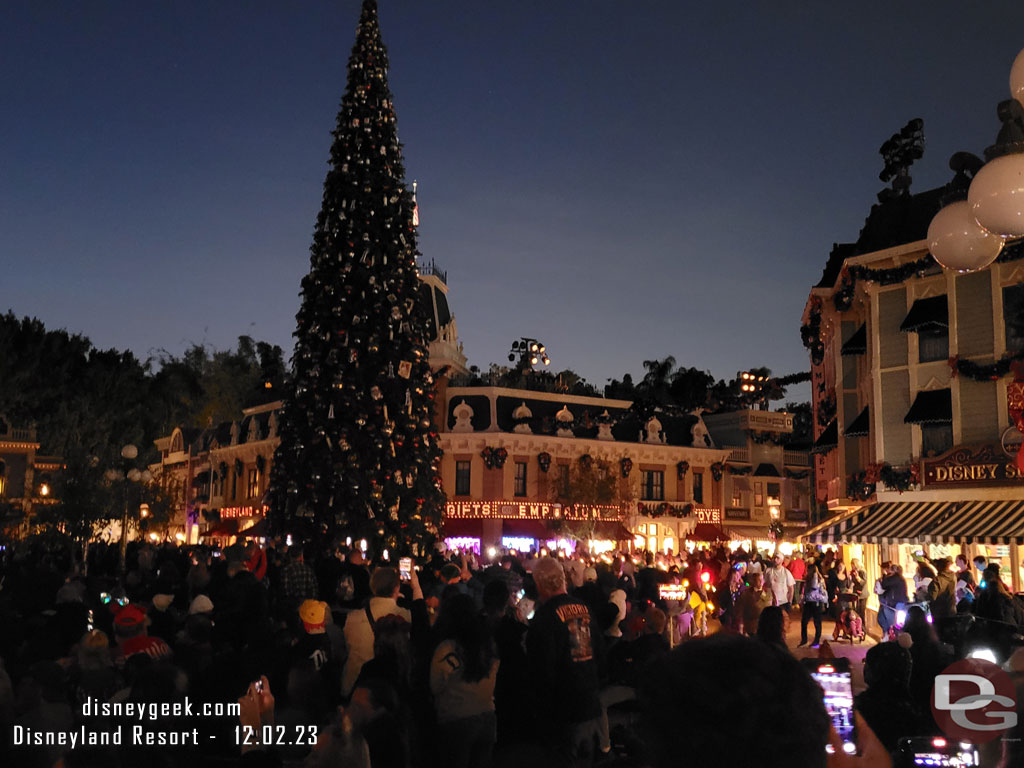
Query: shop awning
x,y
897,522
856,344
707,532
828,439
766,470
860,426
932,406
222,528
613,530
459,527
927,314
980,522
258,531
833,531
748,533
531,529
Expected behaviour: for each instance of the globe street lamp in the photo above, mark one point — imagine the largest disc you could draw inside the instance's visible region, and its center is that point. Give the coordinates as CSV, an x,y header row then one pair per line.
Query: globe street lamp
x,y
133,475
985,205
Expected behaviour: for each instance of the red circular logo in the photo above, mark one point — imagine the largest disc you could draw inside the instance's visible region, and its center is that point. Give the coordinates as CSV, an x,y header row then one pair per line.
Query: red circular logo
x,y
974,700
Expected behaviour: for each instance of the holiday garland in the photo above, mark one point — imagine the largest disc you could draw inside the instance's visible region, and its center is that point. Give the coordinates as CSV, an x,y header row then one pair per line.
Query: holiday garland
x,y
982,372
861,485
739,470
682,468
796,474
827,409
716,470
665,509
494,457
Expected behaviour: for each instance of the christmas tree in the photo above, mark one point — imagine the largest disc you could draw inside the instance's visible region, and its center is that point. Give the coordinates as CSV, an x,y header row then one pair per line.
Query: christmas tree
x,y
359,454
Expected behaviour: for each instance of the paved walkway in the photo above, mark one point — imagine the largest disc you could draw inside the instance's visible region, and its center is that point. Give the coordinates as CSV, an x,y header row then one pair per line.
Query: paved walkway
x,y
855,652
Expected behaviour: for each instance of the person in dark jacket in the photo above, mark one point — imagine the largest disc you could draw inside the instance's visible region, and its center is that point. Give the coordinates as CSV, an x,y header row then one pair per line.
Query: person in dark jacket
x,y
892,596
562,651
994,601
886,705
942,591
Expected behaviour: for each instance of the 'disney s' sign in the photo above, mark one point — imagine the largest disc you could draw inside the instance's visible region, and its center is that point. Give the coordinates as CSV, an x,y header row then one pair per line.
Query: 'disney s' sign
x,y
972,465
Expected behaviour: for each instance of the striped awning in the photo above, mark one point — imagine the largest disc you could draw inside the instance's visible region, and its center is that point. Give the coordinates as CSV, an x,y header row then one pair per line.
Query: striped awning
x,y
979,522
833,531
897,522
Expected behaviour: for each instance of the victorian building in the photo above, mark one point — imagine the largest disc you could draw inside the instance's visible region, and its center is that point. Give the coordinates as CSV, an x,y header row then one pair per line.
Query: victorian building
x,y
26,477
916,449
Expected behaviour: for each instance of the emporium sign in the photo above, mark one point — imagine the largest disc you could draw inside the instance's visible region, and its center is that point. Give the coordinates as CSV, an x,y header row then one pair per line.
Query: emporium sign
x,y
979,465
519,510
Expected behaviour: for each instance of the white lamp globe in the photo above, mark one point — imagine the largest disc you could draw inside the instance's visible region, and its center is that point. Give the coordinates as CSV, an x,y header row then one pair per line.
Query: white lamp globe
x,y
996,196
957,242
1017,78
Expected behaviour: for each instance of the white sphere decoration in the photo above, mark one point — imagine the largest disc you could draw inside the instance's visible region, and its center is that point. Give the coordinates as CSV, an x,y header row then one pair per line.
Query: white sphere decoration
x,y
1017,78
996,196
957,242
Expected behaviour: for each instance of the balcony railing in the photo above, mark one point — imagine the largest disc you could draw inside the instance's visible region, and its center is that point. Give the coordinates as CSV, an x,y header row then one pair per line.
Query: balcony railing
x,y
19,436
740,454
796,459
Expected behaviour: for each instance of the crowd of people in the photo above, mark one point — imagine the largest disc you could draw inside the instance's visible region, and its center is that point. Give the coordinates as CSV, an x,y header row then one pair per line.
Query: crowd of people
x,y
456,660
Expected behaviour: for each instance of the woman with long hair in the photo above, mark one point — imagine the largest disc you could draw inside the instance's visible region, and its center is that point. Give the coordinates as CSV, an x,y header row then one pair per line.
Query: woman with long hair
x,y
815,601
463,671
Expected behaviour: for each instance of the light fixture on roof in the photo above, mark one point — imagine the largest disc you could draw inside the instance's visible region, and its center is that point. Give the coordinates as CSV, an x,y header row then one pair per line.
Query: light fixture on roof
x,y
529,350
985,203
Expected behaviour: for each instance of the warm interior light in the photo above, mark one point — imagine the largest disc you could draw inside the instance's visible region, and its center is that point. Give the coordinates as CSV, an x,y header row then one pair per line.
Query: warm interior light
x,y
44,490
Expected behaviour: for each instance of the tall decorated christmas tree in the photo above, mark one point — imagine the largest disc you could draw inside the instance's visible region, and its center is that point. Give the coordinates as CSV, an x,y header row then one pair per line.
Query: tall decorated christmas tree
x,y
359,454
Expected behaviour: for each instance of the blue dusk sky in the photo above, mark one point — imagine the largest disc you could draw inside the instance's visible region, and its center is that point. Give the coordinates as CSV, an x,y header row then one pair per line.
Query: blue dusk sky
x,y
622,179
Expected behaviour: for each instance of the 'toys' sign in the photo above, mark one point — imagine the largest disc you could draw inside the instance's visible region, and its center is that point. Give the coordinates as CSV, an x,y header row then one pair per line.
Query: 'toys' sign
x,y
974,700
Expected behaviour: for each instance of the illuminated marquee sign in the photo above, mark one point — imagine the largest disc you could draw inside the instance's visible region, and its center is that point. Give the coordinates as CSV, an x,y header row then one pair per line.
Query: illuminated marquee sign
x,y
981,465
230,513
672,591
708,515
524,510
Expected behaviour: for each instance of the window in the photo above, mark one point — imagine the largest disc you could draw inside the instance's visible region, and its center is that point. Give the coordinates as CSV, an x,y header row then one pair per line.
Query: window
x,y
253,487
218,483
3,483
936,438
462,478
773,491
1013,317
563,480
642,529
932,344
520,486
653,484
758,494
698,487
737,496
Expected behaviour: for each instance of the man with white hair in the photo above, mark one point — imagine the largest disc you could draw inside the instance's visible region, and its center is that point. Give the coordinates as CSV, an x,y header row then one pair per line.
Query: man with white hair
x,y
562,650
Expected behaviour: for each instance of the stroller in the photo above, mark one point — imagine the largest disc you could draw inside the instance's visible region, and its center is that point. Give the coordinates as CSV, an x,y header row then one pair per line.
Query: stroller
x,y
850,624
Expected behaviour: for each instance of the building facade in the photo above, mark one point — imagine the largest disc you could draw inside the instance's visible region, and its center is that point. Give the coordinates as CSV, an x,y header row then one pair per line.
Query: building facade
x,y
26,477
916,449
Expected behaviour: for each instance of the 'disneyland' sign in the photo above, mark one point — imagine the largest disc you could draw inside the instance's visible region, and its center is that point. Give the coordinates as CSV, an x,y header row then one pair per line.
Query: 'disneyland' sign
x,y
975,465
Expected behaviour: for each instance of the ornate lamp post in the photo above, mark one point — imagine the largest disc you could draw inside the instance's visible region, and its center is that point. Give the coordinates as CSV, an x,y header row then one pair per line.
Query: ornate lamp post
x,y
131,475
